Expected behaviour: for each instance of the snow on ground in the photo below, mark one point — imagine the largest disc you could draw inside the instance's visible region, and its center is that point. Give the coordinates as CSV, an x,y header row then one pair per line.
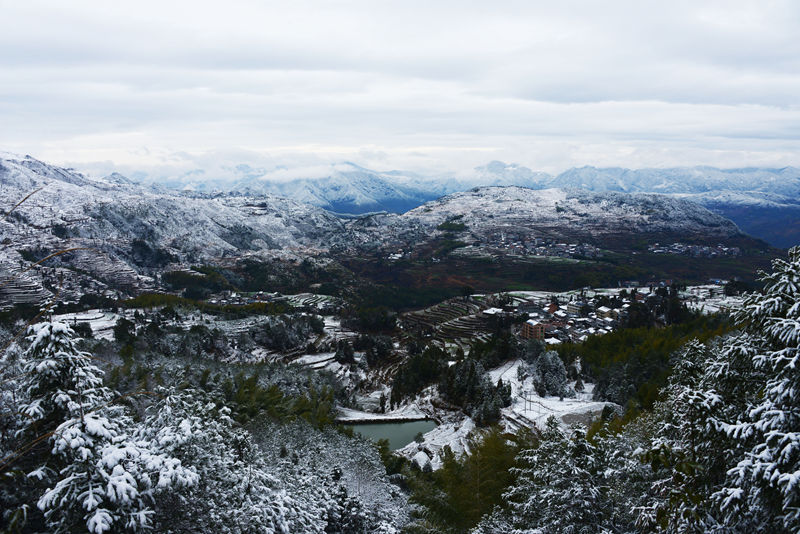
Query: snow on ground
x,y
333,328
710,298
533,411
508,373
371,402
102,322
454,434
410,412
316,361
527,410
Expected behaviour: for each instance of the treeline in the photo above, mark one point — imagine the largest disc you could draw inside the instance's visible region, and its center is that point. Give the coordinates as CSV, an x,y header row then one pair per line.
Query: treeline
x,y
154,333
149,301
420,370
373,319
251,399
454,498
197,286
231,311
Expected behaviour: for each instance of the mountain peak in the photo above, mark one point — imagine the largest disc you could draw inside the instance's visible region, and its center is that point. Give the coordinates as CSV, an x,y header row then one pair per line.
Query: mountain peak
x,y
117,178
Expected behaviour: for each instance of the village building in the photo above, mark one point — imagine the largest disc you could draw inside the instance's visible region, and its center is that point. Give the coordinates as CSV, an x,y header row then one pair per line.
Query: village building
x,y
533,330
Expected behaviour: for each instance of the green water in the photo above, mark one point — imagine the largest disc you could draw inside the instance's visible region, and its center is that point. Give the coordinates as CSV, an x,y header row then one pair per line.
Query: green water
x,y
399,434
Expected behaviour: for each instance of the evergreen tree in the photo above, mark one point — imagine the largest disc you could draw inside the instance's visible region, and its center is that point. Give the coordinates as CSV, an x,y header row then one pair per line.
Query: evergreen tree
x,y
687,453
766,481
560,485
102,477
236,490
61,382
457,495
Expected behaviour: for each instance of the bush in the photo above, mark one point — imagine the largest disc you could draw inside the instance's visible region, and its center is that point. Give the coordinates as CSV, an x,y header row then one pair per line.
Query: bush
x,y
83,329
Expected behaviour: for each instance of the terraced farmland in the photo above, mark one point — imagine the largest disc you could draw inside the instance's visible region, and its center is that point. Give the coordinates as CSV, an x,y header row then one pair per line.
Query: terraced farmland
x,y
456,318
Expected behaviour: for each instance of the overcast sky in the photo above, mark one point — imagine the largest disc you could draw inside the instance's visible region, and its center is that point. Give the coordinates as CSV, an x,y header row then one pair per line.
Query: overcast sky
x,y
169,86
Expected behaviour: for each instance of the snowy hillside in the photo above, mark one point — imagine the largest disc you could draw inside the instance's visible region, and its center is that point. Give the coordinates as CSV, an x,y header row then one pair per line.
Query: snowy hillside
x,y
761,201
68,209
198,225
553,214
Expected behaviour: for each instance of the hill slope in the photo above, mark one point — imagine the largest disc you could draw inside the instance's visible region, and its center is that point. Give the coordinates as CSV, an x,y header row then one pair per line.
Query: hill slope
x,y
607,219
118,212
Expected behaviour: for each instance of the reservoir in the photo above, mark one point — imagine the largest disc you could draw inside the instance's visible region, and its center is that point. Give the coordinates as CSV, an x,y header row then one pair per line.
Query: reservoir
x,y
399,434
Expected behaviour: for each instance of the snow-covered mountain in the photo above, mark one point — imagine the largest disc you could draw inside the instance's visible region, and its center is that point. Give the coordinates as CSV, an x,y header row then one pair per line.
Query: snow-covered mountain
x,y
110,214
574,209
497,173
117,211
763,202
350,188
341,188
683,180
557,214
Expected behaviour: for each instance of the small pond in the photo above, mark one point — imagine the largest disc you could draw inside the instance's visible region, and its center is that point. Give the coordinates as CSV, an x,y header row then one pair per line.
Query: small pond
x,y
399,434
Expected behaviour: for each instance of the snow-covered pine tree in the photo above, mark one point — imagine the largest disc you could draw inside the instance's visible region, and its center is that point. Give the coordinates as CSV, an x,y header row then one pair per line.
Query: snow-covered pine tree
x,y
61,382
766,481
15,489
686,452
236,490
560,486
102,478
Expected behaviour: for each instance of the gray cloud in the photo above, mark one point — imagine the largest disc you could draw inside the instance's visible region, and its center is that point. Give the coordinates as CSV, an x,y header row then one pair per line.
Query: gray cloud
x,y
428,85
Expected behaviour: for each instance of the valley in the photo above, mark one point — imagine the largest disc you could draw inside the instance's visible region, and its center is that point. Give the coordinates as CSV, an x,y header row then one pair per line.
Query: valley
x,y
502,310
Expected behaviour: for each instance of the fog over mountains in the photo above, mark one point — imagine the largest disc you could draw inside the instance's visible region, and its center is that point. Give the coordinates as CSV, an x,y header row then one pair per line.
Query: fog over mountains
x,y
764,202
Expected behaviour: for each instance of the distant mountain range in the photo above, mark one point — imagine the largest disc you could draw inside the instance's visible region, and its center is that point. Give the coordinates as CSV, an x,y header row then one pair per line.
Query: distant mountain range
x,y
117,237
764,202
189,225
348,188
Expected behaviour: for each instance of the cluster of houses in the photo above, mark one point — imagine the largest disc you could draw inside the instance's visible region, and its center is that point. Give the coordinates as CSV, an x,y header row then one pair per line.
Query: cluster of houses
x,y
537,246
554,323
697,251
235,298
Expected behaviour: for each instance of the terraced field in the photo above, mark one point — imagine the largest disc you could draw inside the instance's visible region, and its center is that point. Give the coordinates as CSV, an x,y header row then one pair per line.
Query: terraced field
x,y
453,319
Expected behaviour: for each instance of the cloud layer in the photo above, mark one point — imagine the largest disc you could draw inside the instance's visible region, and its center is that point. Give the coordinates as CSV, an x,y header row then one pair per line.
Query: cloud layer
x,y
170,86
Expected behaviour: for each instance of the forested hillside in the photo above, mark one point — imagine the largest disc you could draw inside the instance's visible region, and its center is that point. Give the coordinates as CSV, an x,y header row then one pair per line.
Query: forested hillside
x,y
716,447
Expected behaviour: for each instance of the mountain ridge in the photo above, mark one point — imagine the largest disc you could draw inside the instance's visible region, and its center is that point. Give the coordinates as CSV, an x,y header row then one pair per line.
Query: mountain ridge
x,y
748,195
